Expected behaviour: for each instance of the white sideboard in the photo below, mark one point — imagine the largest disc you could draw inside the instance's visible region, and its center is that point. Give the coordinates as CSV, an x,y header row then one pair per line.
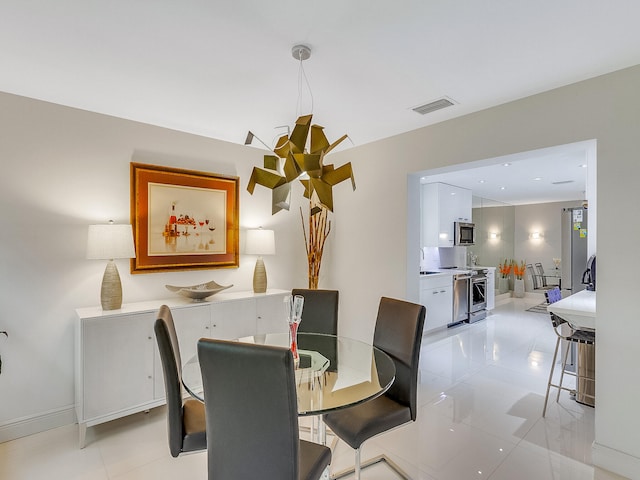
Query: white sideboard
x,y
117,365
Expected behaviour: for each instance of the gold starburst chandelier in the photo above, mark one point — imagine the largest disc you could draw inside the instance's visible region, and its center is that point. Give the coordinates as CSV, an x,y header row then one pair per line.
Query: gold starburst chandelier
x,y
297,158
300,156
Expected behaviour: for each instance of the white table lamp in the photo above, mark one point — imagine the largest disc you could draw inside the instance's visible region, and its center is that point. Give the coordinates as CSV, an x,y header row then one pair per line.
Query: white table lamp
x,y
260,242
108,242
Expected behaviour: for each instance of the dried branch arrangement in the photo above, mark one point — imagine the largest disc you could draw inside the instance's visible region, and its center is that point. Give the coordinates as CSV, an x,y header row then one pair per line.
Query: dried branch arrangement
x,y
319,229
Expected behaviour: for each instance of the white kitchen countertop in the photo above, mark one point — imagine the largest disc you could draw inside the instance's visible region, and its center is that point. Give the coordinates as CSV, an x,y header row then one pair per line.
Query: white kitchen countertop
x,y
578,309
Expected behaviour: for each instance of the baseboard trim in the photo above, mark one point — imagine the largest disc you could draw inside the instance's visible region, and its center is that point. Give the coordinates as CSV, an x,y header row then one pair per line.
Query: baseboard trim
x,y
29,425
616,461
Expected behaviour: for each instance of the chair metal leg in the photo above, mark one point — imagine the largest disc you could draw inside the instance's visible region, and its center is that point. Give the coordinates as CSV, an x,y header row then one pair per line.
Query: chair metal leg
x,y
553,366
358,466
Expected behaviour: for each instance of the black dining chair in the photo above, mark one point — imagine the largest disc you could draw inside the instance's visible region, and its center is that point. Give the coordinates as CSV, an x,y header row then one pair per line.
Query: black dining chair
x,y
571,336
320,311
185,420
319,315
398,332
536,280
250,398
544,277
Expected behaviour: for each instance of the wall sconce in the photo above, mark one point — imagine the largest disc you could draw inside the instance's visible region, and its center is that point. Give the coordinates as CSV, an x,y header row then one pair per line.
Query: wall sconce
x,y
260,242
108,242
494,235
535,235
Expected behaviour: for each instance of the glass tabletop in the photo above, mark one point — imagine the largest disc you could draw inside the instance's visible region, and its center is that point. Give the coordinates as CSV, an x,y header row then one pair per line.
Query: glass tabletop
x,y
334,372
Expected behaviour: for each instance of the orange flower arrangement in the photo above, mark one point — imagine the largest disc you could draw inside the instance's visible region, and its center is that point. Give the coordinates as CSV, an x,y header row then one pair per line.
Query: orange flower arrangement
x,y
519,269
505,267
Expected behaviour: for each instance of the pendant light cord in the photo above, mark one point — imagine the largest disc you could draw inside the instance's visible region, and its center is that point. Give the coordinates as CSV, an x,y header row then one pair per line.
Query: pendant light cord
x,y
302,76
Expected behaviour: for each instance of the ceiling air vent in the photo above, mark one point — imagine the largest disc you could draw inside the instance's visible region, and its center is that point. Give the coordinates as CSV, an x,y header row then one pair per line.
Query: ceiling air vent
x,y
443,102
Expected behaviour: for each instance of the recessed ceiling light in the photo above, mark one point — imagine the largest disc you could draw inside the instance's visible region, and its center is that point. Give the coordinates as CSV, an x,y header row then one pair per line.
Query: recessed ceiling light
x,y
480,181
506,164
537,179
503,188
584,165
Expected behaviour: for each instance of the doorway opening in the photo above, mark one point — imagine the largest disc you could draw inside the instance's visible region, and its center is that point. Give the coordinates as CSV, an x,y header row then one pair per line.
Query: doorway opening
x,y
554,174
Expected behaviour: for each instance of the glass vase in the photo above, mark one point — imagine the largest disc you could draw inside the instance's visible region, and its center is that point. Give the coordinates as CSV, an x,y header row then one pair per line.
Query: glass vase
x,y
293,309
293,341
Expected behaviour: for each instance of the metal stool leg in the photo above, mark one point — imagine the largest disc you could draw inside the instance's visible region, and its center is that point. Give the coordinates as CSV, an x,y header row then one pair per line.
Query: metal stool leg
x,y
553,366
564,366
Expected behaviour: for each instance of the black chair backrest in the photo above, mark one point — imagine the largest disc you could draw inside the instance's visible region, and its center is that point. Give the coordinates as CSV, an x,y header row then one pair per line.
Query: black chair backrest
x,y
319,315
251,400
171,367
398,333
320,311
534,277
540,270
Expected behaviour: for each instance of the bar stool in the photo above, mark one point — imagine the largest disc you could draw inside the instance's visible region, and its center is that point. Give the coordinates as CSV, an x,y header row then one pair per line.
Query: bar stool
x,y
586,337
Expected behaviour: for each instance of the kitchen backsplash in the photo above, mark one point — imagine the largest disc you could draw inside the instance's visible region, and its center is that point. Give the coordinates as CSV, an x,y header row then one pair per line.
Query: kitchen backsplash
x,y
436,257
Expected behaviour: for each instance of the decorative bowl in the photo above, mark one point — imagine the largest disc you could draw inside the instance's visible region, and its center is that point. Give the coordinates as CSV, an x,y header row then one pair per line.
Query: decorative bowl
x,y
200,291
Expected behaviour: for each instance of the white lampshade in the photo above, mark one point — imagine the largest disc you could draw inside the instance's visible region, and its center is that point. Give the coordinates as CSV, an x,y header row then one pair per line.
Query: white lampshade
x,y
106,242
260,242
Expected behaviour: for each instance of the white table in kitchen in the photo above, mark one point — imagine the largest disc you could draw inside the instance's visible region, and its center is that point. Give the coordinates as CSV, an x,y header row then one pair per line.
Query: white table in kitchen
x,y
578,309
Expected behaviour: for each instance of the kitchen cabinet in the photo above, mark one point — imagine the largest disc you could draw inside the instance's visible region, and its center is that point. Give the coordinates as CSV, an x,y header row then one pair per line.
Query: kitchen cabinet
x,y
436,294
117,365
442,205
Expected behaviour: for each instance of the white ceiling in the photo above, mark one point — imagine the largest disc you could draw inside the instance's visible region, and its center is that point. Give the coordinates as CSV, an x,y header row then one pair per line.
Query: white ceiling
x,y
222,67
552,174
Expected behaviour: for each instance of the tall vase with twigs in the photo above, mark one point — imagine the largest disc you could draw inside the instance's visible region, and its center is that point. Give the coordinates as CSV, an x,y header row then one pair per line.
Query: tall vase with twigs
x,y
318,231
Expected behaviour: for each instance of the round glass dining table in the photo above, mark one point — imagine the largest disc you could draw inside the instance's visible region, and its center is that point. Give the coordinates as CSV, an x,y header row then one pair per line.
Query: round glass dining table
x,y
334,372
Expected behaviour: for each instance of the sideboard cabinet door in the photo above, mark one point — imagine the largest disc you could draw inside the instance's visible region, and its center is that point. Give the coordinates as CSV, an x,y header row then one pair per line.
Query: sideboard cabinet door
x,y
117,363
271,314
233,319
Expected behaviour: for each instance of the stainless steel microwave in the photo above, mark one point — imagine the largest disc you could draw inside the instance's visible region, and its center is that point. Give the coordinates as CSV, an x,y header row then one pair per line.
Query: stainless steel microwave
x,y
464,233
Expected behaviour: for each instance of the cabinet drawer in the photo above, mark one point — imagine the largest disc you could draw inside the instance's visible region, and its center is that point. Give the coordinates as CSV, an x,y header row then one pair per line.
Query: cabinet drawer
x,y
434,281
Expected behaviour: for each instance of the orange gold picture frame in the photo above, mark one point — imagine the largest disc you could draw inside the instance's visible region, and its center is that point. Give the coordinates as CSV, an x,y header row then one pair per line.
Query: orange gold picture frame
x,y
183,219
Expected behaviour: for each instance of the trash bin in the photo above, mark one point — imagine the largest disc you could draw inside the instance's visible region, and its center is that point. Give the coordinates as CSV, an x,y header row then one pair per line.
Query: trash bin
x,y
587,368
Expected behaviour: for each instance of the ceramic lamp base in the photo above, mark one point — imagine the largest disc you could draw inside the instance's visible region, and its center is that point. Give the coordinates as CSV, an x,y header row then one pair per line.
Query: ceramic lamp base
x,y
259,277
111,291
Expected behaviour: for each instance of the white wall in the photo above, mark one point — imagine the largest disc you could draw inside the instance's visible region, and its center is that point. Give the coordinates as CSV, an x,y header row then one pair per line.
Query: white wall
x,y
544,218
375,253
63,169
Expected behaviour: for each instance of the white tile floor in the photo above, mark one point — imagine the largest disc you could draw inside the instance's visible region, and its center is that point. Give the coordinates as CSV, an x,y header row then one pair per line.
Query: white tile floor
x,y
481,394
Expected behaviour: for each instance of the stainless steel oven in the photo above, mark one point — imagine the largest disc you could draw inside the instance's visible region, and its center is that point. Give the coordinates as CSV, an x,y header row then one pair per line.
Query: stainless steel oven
x,y
477,296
